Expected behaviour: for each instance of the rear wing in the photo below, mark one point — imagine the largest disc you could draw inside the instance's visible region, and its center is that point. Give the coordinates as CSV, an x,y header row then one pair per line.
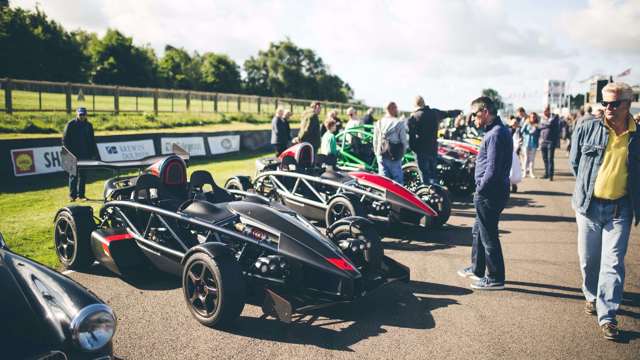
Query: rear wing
x,y
72,165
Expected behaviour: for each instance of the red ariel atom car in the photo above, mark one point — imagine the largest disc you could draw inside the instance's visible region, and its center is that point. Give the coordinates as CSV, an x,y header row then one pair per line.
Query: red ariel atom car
x,y
324,194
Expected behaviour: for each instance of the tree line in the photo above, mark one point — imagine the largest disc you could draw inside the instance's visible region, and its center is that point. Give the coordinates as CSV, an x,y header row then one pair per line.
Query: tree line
x,y
35,47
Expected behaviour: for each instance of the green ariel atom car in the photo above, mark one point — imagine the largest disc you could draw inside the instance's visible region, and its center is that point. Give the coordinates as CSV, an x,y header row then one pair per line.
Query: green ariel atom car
x,y
355,152
456,165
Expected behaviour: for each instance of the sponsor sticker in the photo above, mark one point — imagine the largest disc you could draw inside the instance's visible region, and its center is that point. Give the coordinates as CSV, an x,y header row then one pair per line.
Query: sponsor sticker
x,y
193,144
224,144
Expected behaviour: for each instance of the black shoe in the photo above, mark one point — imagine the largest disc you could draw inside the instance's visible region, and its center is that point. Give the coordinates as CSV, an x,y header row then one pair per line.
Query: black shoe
x,y
72,199
514,188
550,179
610,331
590,308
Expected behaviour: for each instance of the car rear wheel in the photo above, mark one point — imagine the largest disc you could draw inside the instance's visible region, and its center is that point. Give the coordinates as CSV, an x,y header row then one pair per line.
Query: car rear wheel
x,y
340,208
369,258
71,234
438,199
213,289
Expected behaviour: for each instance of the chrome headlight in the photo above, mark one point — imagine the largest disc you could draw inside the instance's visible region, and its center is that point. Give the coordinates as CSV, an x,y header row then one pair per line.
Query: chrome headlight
x,y
93,327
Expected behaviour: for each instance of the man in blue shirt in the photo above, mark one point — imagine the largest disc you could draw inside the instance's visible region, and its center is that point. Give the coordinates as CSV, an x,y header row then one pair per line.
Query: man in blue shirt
x,y
493,165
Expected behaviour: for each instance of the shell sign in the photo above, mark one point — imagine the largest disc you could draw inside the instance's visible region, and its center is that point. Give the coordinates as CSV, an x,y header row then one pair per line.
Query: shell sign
x,y
23,162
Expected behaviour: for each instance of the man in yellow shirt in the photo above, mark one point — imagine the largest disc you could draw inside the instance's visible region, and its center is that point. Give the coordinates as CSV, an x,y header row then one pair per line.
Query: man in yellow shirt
x,y
605,158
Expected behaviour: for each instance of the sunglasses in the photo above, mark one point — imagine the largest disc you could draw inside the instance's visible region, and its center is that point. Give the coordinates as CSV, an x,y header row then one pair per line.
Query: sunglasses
x,y
614,104
477,113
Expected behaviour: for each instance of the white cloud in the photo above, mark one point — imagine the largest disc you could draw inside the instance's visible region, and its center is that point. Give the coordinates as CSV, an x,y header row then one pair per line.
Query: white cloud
x,y
610,25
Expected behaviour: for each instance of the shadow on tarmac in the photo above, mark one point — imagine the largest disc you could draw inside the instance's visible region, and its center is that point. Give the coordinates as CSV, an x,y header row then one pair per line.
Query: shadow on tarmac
x,y
522,217
338,328
546,193
143,279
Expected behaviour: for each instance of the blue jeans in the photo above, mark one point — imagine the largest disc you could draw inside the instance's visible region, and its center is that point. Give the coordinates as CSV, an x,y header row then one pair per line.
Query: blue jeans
x,y
486,251
427,166
391,169
603,236
76,185
548,154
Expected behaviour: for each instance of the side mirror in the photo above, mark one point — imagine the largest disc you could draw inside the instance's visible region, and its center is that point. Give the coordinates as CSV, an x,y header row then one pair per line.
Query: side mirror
x,y
3,245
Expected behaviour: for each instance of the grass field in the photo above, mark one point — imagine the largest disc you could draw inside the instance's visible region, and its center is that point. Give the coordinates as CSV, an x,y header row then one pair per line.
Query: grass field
x,y
27,209
44,113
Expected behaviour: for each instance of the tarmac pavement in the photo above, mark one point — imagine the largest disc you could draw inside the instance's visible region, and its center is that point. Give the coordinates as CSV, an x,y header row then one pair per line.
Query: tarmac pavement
x,y
539,315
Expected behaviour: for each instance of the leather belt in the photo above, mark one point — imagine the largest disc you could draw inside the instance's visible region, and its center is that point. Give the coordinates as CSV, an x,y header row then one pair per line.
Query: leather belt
x,y
609,201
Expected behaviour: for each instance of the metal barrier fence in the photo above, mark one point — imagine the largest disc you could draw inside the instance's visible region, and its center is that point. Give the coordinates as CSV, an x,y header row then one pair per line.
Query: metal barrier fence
x,y
28,95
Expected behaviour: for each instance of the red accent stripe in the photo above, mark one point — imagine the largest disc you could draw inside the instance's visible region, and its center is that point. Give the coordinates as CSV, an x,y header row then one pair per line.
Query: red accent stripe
x,y
106,249
341,264
117,237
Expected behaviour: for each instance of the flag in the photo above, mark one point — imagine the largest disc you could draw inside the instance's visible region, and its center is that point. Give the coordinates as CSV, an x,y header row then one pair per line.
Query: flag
x,y
625,73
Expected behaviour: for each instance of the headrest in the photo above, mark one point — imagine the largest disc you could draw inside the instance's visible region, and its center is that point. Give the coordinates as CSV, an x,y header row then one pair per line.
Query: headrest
x,y
200,178
171,170
305,155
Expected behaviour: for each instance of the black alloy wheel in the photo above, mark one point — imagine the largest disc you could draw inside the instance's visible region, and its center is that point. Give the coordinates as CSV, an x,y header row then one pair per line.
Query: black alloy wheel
x,y
71,236
202,289
340,208
214,289
438,200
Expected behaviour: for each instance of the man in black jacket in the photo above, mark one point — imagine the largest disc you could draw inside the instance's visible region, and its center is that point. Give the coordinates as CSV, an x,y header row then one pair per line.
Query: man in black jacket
x,y
368,119
423,137
280,131
549,140
79,139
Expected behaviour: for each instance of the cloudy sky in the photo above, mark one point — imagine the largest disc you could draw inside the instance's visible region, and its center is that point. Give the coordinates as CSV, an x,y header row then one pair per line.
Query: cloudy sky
x,y
446,50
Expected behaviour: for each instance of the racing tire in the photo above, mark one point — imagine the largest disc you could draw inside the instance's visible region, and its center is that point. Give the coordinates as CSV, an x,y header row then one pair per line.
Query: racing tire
x,y
374,251
411,176
213,289
341,207
236,183
438,199
72,238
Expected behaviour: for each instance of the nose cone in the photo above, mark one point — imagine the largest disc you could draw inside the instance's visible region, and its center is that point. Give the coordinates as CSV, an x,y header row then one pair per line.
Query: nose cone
x,y
395,192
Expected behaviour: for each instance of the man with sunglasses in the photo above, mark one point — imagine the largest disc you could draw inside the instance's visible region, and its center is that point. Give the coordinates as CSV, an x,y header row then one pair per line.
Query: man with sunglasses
x,y
78,138
605,159
493,165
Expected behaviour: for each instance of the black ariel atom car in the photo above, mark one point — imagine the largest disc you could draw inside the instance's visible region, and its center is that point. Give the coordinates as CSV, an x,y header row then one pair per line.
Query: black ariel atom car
x,y
326,194
225,251
47,316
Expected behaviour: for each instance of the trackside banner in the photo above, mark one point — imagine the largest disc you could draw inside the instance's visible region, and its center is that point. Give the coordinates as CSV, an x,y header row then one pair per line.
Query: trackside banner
x,y
126,150
193,144
35,161
223,144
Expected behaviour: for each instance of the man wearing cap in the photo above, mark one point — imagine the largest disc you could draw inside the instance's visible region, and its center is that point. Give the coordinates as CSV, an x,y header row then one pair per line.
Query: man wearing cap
x,y
605,158
79,139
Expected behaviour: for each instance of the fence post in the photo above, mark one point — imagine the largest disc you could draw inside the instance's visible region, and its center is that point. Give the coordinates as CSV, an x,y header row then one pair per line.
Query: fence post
x,y
276,108
188,99
116,100
155,102
259,101
40,100
291,106
239,103
8,104
215,103
67,93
